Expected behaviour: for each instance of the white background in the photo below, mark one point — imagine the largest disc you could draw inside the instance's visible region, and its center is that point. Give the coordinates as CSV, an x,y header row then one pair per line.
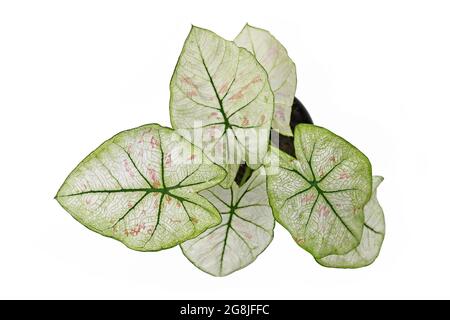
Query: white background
x,y
73,73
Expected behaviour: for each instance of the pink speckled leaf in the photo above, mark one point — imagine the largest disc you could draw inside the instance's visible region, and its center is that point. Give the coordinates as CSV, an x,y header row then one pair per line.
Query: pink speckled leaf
x,y
319,197
245,232
221,101
280,68
141,188
372,238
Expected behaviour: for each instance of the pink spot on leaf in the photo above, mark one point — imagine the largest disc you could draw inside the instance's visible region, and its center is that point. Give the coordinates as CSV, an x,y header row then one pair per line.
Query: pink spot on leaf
x,y
213,115
128,169
270,54
321,172
262,119
247,235
280,114
152,174
344,175
154,143
193,91
223,88
240,94
168,160
307,199
324,211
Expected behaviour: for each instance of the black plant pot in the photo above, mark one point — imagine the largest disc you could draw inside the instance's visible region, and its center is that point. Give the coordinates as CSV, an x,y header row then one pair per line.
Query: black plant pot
x,y
299,114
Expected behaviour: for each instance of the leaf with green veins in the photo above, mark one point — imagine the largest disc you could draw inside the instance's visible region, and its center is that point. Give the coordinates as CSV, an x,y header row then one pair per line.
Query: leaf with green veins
x,y
372,238
280,68
245,232
141,188
319,197
221,101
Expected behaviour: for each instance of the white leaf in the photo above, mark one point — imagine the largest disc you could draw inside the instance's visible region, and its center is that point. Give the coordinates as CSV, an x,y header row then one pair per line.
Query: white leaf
x,y
246,229
140,187
221,101
280,68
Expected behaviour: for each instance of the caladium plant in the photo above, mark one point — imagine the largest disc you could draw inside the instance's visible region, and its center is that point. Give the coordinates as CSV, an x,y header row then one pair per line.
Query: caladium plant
x,y
243,154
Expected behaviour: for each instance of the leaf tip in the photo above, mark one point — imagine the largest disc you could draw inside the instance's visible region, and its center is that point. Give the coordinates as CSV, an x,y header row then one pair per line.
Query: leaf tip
x,y
377,180
57,197
195,28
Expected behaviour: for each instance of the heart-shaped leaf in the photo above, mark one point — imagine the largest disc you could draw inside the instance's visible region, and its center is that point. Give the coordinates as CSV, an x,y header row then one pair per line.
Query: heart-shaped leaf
x,y
245,232
319,197
372,238
280,68
140,187
221,101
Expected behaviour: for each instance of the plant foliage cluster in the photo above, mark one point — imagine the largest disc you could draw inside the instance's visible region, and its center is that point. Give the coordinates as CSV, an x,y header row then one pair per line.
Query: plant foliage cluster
x,y
236,161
